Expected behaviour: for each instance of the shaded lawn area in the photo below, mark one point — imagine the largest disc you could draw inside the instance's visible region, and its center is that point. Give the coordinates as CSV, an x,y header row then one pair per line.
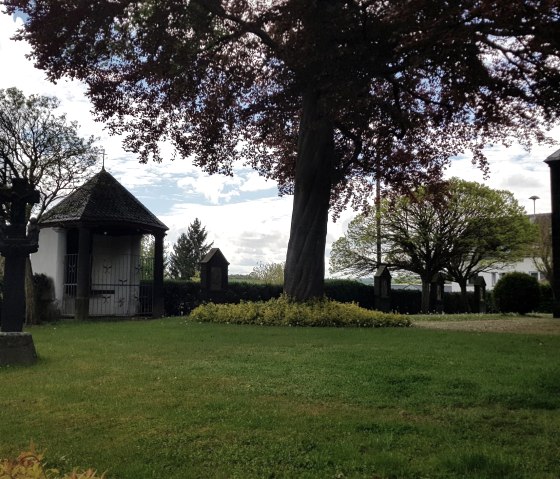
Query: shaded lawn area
x,y
173,399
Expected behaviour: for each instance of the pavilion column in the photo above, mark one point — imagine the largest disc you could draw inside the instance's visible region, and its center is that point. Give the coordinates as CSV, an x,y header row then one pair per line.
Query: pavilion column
x,y
84,274
157,292
553,162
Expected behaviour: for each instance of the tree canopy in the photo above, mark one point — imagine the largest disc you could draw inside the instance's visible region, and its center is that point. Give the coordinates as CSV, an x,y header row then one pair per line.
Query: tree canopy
x,y
316,95
460,228
42,147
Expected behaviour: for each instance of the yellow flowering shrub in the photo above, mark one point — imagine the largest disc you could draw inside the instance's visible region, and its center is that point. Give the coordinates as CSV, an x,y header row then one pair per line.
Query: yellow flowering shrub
x,y
284,312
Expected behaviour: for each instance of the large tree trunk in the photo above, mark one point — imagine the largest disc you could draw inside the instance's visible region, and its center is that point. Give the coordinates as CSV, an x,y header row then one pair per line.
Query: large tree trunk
x,y
305,261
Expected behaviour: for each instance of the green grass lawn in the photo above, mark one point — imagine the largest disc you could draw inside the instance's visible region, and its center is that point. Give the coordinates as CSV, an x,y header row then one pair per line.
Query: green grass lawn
x,y
171,399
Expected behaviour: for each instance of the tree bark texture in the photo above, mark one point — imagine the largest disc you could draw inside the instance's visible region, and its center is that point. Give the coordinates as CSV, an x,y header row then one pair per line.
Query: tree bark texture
x,y
305,260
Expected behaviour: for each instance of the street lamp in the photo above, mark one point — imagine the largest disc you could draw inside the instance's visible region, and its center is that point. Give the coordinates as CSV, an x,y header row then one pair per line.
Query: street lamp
x,y
534,198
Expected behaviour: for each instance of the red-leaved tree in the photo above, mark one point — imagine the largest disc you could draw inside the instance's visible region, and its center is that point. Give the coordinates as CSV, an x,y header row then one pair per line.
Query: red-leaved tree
x,y
312,93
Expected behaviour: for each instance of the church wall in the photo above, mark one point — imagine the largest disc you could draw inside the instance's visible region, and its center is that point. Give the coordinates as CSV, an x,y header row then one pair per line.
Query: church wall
x,y
49,259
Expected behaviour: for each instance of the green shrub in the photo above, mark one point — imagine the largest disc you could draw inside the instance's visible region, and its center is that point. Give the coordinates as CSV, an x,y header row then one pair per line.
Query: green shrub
x,y
348,291
546,303
517,293
283,312
406,301
179,297
44,297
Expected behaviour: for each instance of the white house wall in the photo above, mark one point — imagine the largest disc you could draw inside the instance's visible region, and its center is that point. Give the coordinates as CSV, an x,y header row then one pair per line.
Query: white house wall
x,y
49,260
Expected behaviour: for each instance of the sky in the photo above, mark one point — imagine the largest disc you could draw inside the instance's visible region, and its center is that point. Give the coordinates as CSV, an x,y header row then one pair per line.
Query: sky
x,y
243,215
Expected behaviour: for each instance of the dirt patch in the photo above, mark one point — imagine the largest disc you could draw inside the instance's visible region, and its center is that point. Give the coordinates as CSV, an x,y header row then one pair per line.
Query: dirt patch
x,y
513,325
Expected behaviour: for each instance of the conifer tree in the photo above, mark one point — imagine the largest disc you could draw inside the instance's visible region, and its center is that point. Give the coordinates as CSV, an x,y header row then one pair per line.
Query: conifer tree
x,y
188,251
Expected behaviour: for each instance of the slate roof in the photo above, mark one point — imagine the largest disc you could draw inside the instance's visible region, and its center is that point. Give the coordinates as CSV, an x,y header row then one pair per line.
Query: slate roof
x,y
554,157
214,255
102,201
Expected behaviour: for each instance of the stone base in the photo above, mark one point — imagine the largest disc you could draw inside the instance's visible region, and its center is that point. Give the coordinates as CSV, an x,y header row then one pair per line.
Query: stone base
x,y
17,349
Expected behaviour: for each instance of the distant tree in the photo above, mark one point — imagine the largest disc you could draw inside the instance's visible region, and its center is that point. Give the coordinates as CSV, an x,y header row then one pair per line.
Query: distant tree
x,y
542,249
147,255
317,94
272,273
188,251
497,231
42,147
460,228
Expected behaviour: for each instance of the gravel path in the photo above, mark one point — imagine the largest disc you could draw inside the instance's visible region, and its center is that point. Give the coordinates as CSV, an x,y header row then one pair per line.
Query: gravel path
x,y
513,325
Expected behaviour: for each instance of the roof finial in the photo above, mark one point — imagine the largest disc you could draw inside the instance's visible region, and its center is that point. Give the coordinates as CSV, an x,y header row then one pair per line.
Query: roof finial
x,y
103,159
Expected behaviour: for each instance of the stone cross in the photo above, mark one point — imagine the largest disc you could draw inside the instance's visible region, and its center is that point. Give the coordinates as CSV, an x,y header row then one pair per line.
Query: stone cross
x,y
16,243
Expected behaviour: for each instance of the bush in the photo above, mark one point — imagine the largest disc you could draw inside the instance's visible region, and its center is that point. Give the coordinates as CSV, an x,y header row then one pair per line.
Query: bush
x,y
283,312
180,297
44,297
29,465
517,293
547,299
348,291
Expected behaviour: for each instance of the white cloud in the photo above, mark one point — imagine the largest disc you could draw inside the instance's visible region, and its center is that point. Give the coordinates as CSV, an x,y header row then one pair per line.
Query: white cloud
x,y
255,182
522,172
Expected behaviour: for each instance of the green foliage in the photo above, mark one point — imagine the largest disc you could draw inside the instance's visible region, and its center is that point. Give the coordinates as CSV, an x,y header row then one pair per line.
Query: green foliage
x,y
50,154
517,293
283,312
30,465
348,291
188,251
461,228
179,297
272,273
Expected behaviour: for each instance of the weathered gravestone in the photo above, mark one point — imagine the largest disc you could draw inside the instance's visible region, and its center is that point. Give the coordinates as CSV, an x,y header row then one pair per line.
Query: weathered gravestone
x,y
382,289
16,243
479,304
436,293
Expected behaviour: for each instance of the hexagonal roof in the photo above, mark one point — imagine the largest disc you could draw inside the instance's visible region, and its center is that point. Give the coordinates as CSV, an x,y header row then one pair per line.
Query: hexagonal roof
x,y
102,202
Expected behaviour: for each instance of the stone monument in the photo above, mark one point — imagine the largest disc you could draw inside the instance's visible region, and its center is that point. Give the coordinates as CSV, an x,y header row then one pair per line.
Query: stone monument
x,y
382,289
16,243
479,303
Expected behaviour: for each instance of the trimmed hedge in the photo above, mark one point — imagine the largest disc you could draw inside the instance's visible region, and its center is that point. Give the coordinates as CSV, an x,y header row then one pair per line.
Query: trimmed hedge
x,y
181,297
283,312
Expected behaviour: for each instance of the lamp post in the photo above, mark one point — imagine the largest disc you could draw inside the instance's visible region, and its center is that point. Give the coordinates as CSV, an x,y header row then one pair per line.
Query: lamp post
x,y
534,198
